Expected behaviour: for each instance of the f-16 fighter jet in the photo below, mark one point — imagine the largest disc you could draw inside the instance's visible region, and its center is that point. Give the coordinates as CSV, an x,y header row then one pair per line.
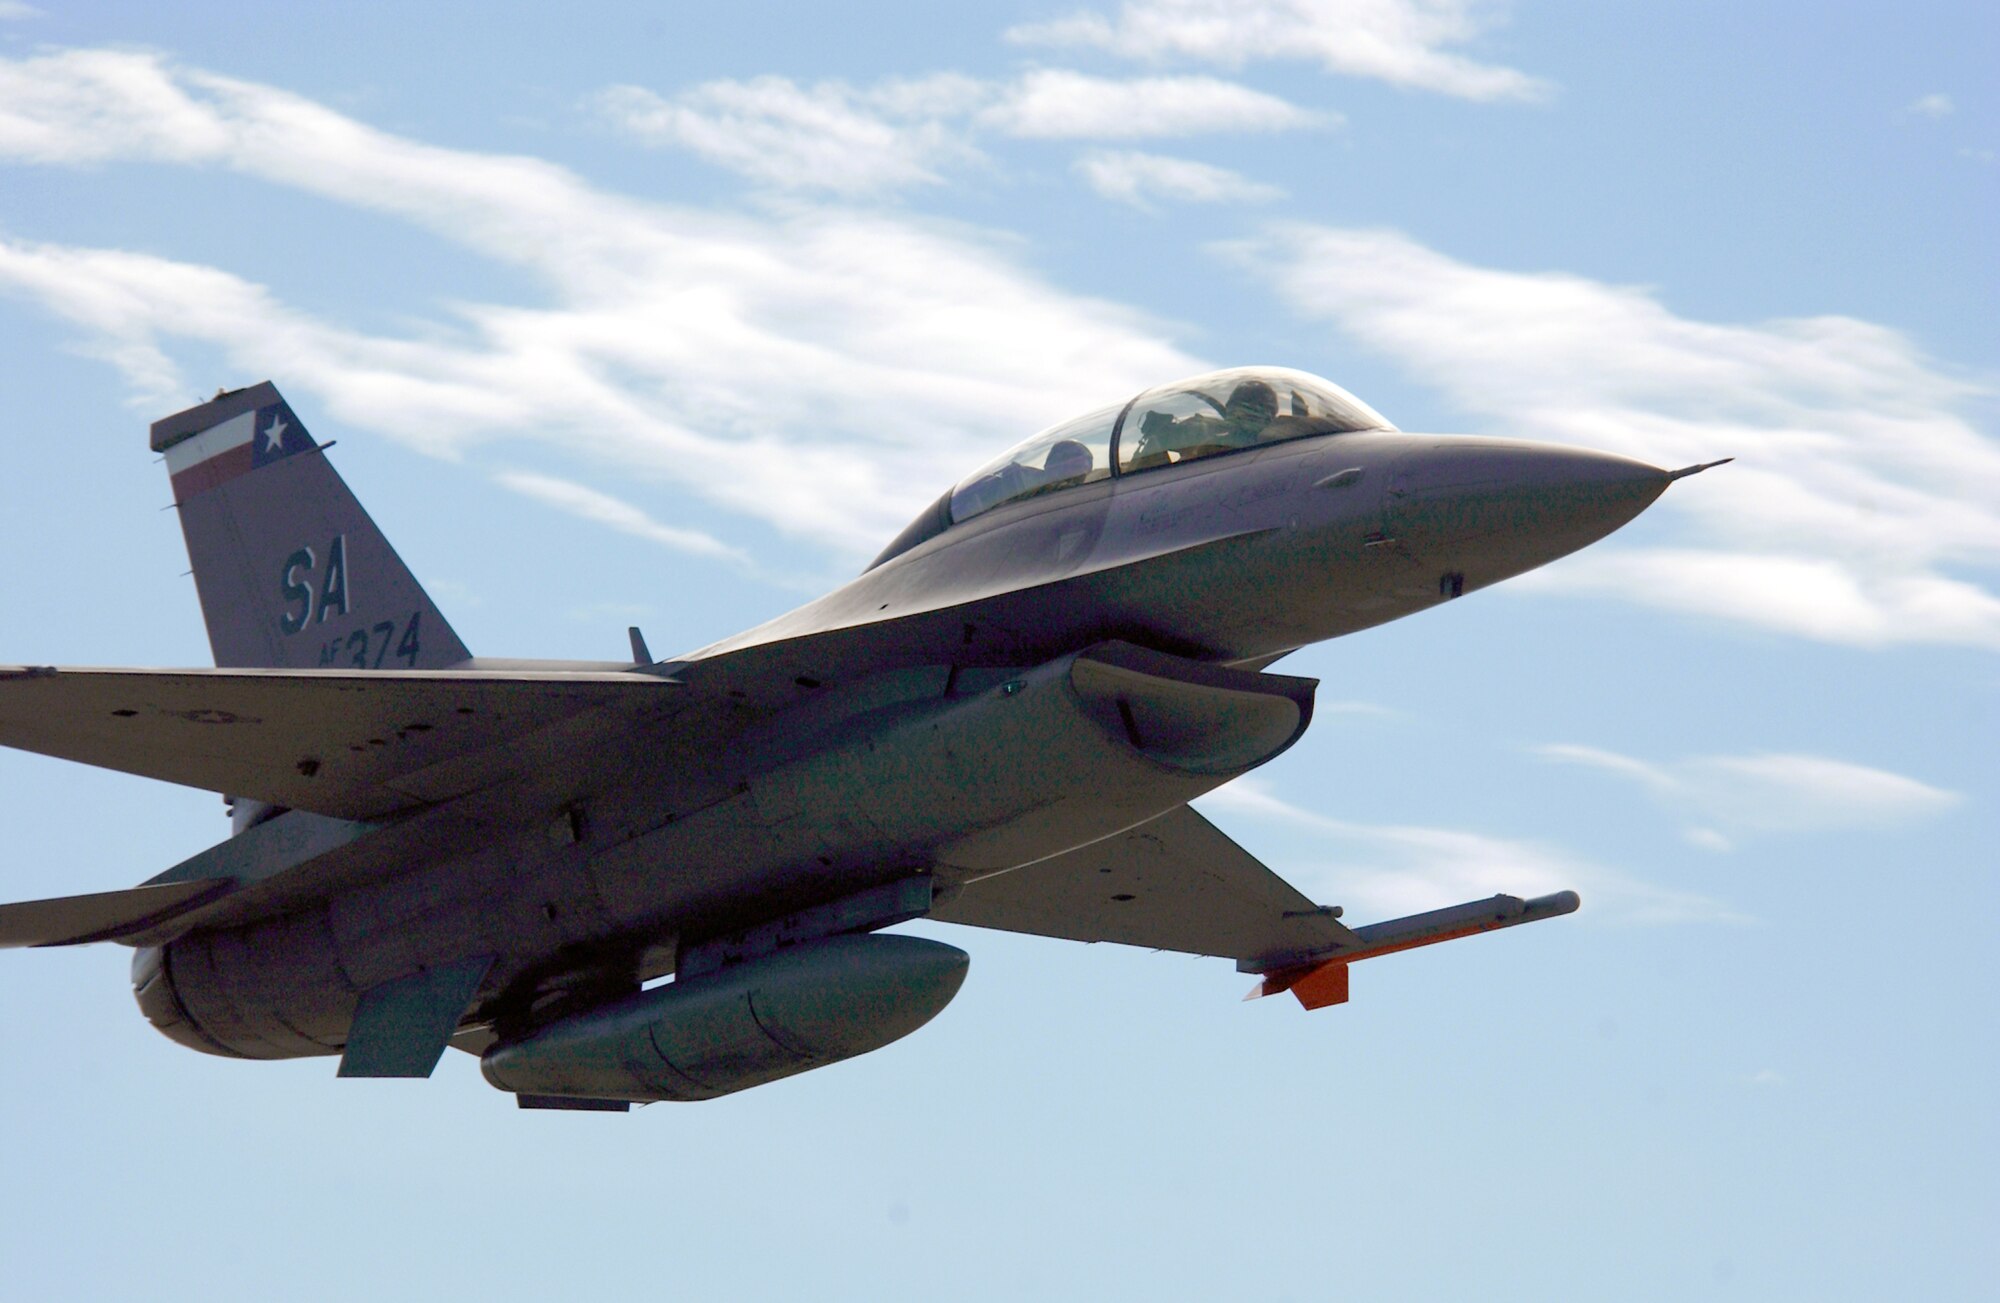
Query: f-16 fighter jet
x,y
999,723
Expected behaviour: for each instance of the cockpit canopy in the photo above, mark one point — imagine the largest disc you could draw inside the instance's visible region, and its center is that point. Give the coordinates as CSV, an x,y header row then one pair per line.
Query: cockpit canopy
x,y
1221,412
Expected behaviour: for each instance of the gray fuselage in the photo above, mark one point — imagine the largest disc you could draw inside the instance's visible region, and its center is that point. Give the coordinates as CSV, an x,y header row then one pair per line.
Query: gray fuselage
x,y
885,730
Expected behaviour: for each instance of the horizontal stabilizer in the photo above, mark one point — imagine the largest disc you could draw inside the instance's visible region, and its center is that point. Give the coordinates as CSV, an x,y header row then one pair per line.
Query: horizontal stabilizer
x,y
102,915
351,744
1175,882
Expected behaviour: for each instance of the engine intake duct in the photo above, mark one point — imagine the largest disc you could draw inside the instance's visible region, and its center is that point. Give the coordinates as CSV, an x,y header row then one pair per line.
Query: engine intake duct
x,y
1187,715
745,1025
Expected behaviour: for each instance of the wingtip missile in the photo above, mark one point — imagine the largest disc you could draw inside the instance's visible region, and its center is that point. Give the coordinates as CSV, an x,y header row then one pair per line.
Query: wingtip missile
x,y
1323,981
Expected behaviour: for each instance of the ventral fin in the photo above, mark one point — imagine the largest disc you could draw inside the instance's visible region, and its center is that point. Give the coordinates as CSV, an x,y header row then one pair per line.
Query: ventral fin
x,y
402,1027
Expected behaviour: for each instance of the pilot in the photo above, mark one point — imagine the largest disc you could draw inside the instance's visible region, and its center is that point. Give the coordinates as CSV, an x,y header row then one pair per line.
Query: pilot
x,y
1250,407
1068,462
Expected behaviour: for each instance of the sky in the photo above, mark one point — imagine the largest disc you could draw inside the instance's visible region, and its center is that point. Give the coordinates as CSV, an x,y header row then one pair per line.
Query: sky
x,y
629,314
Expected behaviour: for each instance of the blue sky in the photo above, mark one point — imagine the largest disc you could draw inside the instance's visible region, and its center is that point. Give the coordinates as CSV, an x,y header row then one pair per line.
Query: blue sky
x,y
671,317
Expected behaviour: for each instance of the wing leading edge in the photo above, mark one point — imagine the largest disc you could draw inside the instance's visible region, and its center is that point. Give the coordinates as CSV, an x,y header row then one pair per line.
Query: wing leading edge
x,y
1175,882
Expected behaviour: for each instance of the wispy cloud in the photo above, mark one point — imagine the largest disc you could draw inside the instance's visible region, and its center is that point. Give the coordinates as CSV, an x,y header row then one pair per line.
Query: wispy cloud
x,y
1651,777
1055,104
1769,792
1707,839
581,500
1402,42
850,140
1390,869
1934,105
1137,179
673,344
1863,500
15,9
829,137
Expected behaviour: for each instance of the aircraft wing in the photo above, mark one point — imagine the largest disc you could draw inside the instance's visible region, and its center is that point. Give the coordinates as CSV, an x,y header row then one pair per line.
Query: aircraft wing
x,y
353,745
1175,882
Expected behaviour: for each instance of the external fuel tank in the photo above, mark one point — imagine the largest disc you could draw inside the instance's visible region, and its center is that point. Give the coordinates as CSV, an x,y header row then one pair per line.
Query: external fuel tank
x,y
753,1022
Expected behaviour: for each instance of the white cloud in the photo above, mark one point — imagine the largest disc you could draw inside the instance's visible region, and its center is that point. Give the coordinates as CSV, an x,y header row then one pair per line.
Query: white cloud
x,y
13,9
1934,105
1708,839
580,500
674,345
1403,42
1813,792
1650,776
1394,869
1823,598
827,137
1863,504
1770,792
853,141
1055,104
89,106
1135,178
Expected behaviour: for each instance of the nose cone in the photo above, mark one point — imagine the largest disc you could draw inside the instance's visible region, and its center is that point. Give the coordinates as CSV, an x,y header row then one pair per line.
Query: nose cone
x,y
1490,508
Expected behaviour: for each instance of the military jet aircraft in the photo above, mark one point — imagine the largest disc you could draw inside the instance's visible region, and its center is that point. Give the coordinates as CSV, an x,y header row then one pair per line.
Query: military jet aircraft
x,y
1000,723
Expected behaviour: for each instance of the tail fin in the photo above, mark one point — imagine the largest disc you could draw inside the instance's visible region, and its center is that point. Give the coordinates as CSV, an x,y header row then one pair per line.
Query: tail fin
x,y
291,571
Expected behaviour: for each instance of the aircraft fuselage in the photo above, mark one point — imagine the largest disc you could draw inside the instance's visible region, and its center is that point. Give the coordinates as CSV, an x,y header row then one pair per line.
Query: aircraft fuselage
x,y
902,729
999,724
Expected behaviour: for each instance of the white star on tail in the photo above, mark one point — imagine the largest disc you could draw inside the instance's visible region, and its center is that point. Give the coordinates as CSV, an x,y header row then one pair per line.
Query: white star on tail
x,y
274,438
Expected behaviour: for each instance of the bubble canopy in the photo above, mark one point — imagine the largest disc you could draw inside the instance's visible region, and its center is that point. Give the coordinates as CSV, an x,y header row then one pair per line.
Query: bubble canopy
x,y
1205,416
1221,412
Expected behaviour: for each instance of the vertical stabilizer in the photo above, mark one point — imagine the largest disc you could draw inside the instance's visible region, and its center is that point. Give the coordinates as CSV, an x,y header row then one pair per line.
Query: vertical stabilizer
x,y
291,571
